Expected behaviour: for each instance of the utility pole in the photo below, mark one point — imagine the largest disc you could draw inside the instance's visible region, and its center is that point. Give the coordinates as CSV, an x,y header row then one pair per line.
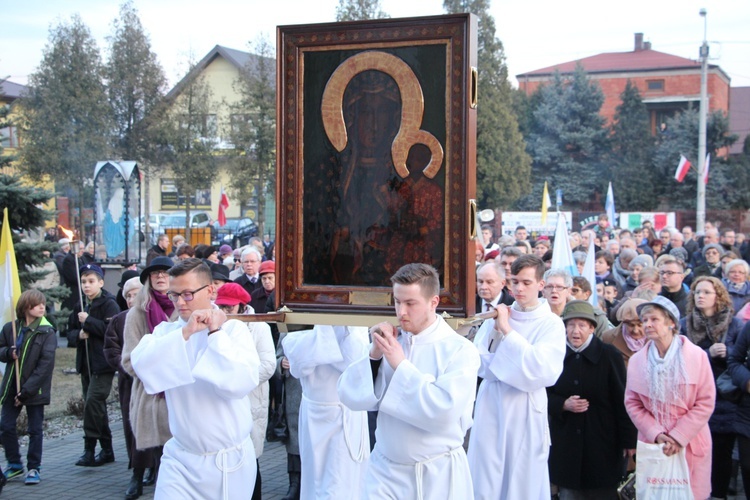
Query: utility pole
x,y
700,206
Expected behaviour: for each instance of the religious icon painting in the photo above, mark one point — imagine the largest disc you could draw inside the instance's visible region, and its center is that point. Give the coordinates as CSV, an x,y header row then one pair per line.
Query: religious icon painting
x,y
376,160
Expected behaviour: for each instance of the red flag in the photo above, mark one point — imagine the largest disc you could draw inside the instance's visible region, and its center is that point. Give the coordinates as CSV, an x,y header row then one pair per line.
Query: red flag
x,y
682,169
223,205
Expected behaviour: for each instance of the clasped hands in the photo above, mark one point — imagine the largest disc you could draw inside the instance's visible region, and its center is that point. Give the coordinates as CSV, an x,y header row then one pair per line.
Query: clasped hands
x,y
203,319
385,344
670,445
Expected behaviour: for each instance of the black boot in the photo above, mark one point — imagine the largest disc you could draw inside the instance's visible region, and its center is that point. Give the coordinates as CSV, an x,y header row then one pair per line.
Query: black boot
x,y
87,459
106,455
135,488
149,479
293,493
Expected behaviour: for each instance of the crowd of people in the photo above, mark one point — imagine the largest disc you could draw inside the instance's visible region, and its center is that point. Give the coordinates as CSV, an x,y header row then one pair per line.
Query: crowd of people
x,y
554,396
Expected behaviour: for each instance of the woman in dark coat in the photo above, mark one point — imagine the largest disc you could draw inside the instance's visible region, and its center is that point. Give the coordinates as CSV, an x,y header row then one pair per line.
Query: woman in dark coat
x,y
709,324
591,431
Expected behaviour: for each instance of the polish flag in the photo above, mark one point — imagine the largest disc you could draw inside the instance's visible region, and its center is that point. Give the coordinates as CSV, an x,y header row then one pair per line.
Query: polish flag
x,y
705,168
682,169
223,205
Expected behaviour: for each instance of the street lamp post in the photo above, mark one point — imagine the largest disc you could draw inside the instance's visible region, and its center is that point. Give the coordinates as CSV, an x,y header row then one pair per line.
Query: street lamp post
x,y
700,209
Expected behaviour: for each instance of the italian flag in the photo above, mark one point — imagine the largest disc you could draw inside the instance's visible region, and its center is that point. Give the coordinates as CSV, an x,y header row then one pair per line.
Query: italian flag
x,y
682,169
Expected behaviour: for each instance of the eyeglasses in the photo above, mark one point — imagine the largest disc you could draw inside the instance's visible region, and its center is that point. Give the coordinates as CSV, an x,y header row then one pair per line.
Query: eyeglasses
x,y
669,274
156,274
226,308
555,288
187,296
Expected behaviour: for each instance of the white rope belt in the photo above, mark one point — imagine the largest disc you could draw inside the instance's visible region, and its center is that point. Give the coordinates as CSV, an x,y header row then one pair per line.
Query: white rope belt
x,y
419,469
345,412
221,461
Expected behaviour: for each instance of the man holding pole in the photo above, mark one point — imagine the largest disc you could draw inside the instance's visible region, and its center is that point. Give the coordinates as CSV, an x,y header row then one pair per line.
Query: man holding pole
x,y
88,323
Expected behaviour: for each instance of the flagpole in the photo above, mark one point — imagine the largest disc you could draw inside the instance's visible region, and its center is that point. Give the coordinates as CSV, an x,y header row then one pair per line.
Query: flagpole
x,y
700,209
13,328
80,301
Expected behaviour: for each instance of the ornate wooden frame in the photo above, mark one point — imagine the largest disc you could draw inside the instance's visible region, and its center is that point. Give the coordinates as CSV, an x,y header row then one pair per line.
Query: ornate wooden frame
x,y
453,35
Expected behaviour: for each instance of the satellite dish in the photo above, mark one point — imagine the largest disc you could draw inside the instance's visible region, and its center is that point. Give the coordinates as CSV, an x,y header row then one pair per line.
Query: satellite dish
x,y
487,215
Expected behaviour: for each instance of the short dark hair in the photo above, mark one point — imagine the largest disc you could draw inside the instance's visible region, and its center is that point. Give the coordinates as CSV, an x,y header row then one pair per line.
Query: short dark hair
x,y
29,300
423,275
582,283
608,257
528,260
185,249
191,265
520,227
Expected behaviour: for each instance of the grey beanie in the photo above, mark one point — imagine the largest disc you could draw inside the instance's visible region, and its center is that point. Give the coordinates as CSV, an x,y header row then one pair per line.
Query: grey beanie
x,y
713,245
643,260
679,253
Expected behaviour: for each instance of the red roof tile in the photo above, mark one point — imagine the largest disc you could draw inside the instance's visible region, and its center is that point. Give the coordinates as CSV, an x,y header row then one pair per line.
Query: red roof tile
x,y
640,60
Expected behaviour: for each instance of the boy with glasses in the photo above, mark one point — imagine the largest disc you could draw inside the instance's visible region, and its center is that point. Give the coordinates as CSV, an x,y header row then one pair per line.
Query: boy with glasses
x,y
206,366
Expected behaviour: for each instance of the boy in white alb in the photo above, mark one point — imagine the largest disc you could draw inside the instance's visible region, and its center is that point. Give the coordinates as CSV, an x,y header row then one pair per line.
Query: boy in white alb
x,y
334,441
422,381
522,353
206,366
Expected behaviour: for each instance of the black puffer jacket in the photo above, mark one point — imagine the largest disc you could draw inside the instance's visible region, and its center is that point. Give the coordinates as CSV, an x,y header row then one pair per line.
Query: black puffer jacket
x,y
101,310
36,359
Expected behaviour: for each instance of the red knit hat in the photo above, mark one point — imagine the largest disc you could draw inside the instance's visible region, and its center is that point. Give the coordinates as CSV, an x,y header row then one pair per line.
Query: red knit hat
x,y
268,266
232,294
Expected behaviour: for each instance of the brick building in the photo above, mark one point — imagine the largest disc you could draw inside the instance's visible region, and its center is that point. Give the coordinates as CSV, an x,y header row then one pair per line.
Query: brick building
x,y
667,83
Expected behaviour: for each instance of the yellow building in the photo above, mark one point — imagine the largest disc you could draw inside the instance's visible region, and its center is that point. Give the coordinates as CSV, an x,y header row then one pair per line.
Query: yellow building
x,y
219,69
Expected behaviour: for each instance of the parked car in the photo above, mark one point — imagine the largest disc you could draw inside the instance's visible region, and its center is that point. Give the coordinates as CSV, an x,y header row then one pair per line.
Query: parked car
x,y
155,225
237,232
177,220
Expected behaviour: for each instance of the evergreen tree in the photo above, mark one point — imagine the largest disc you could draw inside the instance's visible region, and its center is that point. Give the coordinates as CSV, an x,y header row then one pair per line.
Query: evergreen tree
x,y
632,153
681,138
253,131
359,10
5,160
191,135
503,166
27,218
135,86
568,141
67,118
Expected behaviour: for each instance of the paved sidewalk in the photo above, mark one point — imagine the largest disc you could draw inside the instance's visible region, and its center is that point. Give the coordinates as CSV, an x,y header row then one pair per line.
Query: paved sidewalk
x,y
61,480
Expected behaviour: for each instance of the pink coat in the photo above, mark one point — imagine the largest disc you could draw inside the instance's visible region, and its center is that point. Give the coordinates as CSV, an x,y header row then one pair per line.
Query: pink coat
x,y
689,417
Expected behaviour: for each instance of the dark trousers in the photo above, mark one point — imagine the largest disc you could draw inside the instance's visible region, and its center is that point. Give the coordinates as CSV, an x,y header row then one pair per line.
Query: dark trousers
x,y
9,436
721,462
138,459
95,419
743,443
258,486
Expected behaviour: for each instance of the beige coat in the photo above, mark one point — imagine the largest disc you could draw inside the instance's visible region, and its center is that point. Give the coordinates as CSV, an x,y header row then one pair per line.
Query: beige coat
x,y
261,332
148,413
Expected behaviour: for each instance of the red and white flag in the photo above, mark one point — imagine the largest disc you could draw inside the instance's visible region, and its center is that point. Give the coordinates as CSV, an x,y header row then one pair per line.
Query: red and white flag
x,y
223,205
682,169
705,168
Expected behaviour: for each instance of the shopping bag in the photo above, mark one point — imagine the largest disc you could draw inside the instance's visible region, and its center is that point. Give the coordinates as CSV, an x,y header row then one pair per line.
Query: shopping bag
x,y
658,476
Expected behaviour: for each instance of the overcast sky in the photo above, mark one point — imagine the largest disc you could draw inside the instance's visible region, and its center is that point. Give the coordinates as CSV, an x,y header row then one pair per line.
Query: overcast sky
x,y
535,34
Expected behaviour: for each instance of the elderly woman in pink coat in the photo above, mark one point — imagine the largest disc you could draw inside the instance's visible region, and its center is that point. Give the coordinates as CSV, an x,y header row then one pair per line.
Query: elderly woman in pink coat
x,y
670,392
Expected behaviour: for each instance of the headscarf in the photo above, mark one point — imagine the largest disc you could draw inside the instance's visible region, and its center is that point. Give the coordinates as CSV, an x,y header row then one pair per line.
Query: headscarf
x,y
634,345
